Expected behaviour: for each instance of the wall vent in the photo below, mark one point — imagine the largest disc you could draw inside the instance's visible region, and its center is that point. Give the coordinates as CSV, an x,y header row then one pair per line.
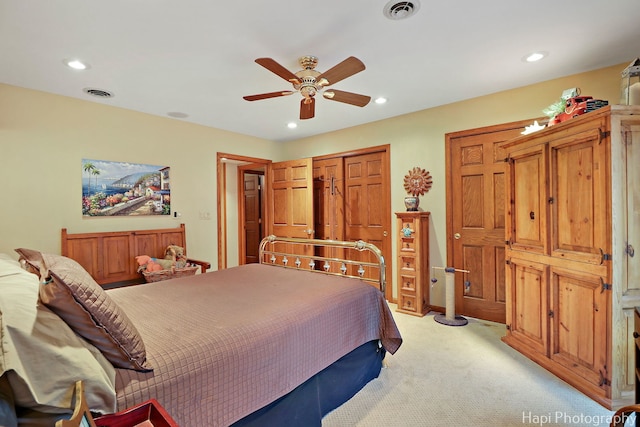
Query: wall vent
x,y
98,92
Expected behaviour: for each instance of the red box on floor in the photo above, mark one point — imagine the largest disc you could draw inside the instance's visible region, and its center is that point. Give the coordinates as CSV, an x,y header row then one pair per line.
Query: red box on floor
x,y
146,414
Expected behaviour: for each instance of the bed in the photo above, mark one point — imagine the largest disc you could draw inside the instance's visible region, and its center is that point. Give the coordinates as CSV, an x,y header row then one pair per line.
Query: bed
x,y
246,346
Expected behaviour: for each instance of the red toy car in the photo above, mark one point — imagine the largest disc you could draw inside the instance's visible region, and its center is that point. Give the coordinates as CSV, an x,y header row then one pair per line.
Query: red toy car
x,y
576,106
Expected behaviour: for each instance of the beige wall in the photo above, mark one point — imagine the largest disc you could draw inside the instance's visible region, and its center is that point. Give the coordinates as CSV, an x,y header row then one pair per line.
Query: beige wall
x,y
43,138
417,139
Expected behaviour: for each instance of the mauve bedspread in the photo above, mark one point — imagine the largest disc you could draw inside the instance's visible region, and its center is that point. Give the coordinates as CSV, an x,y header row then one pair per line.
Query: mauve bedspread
x,y
226,343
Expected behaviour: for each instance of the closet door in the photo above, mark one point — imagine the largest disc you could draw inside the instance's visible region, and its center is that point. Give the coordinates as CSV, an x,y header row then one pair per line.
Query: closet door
x,y
367,206
291,201
328,198
328,204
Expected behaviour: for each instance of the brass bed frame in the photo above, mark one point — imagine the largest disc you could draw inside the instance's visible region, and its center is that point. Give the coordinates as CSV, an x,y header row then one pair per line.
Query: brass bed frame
x,y
319,262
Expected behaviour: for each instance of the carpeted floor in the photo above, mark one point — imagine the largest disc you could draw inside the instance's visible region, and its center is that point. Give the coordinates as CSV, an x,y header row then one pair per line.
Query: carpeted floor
x,y
463,376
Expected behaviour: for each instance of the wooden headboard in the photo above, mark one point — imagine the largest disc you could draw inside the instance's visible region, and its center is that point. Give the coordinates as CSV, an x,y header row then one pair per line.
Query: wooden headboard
x,y
110,256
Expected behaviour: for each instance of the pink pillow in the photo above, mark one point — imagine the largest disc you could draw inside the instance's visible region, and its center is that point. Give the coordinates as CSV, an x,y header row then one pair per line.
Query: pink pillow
x,y
73,295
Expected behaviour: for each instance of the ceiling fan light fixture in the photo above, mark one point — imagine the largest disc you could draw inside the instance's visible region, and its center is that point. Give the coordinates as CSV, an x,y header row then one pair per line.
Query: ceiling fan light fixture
x,y
381,100
309,83
397,10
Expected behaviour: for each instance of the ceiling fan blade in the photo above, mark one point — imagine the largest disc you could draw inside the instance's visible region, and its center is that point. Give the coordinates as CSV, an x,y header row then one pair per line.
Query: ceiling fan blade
x,y
307,108
268,95
346,97
278,69
346,68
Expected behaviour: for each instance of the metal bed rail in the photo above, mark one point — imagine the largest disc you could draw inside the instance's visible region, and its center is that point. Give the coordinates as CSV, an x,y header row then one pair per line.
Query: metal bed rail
x,y
323,264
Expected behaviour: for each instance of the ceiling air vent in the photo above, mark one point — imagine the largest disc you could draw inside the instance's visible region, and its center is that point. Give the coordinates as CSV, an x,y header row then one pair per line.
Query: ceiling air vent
x,y
98,92
397,10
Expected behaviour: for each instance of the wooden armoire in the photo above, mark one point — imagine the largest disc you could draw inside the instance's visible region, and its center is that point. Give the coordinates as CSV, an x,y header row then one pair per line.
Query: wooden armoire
x,y
572,218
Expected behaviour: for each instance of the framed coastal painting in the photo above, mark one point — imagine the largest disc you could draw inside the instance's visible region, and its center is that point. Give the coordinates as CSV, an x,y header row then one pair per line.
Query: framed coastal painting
x,y
124,189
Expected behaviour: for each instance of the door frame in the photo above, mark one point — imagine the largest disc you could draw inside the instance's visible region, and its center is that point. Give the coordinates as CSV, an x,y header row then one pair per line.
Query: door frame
x,y
222,159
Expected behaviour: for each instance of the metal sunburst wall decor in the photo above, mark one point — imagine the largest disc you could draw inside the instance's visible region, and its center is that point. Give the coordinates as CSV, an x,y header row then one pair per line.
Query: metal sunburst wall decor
x,y
417,182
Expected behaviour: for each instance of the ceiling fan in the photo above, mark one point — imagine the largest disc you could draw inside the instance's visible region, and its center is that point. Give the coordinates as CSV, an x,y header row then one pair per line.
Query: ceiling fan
x,y
310,82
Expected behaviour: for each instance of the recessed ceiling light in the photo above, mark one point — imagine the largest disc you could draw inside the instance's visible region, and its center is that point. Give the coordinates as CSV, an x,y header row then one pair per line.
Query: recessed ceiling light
x,y
76,64
535,56
380,100
292,125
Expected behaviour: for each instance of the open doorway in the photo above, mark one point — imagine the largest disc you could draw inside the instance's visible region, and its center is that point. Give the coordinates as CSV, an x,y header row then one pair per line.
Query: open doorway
x,y
234,208
252,213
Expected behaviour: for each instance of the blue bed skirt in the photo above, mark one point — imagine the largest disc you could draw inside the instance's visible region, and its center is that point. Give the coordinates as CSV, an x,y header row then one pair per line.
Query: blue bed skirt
x,y
309,402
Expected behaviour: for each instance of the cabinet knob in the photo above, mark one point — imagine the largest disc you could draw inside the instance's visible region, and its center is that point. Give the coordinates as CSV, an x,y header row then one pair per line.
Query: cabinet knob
x,y
636,335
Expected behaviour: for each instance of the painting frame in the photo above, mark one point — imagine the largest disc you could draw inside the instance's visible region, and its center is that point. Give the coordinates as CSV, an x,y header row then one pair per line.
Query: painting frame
x,y
115,189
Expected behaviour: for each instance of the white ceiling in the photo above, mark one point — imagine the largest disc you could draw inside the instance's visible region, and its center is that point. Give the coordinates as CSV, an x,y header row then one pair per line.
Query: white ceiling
x,y
197,56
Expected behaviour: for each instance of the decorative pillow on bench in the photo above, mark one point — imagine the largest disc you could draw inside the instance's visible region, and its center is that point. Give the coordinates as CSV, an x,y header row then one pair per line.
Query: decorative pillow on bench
x,y
72,294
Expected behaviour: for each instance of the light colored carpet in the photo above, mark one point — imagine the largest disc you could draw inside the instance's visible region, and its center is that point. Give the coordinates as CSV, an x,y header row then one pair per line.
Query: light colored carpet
x,y
463,376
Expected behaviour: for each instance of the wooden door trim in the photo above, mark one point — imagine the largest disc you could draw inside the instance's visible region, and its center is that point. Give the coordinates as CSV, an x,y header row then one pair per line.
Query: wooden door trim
x,y
222,200
358,152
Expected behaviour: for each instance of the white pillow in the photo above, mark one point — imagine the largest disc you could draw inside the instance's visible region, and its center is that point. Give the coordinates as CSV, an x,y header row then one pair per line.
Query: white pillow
x,y
42,356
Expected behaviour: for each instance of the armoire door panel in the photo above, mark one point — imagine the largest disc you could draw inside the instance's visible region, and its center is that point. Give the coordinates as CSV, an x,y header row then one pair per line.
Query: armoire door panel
x,y
632,136
528,202
578,188
527,319
581,312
